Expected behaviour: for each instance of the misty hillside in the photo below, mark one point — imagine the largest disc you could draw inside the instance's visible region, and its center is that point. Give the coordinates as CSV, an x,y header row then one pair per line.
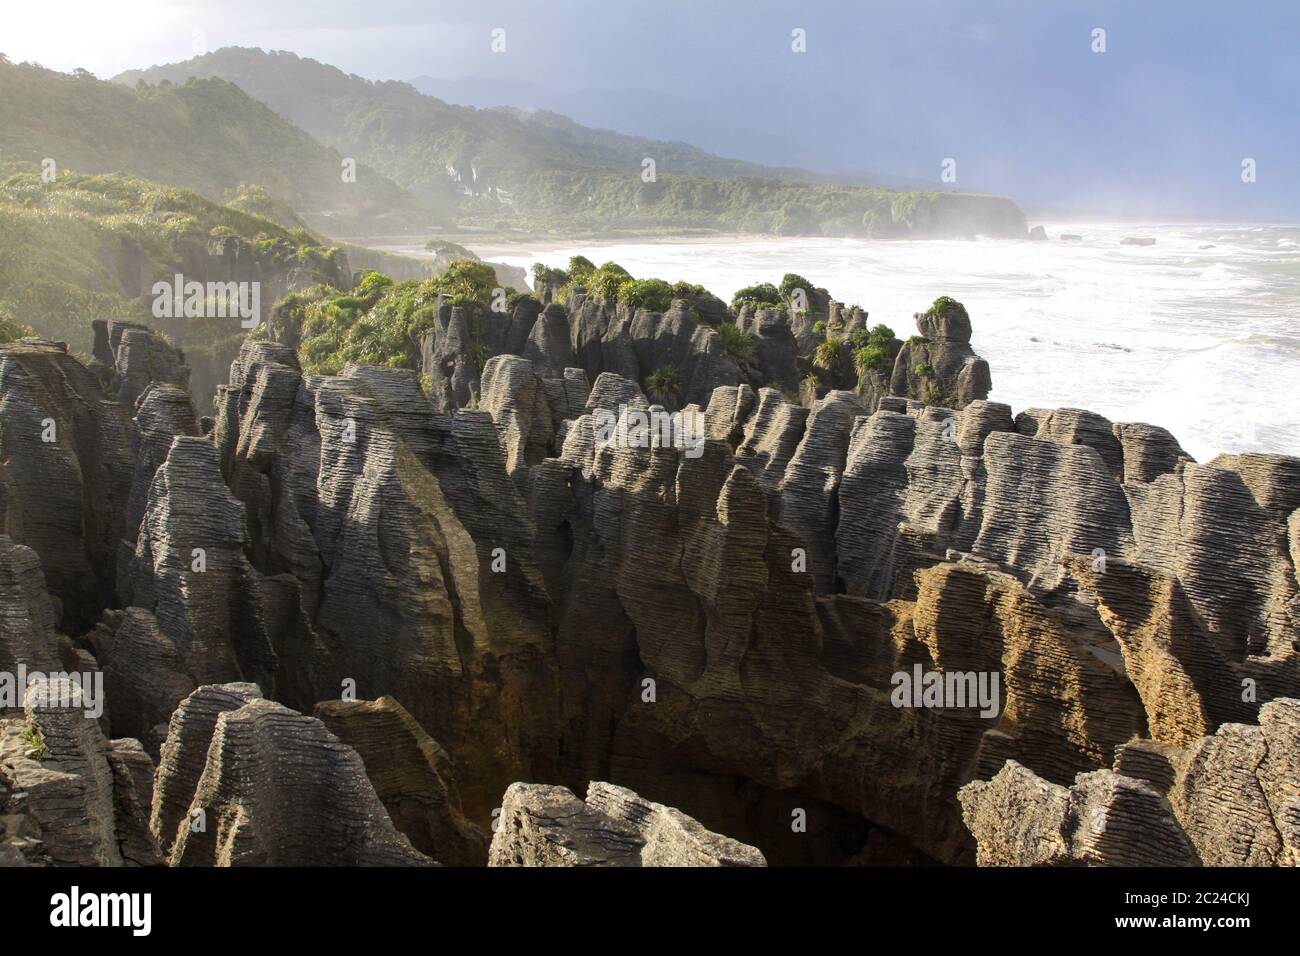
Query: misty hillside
x,y
208,136
509,167
85,247
652,115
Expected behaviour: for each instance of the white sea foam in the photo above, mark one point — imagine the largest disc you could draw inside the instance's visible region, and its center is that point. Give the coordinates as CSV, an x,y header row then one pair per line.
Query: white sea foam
x,y
1203,341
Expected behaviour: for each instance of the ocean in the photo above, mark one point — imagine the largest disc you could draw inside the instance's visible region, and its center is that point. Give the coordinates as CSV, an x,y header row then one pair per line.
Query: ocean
x,y
1198,333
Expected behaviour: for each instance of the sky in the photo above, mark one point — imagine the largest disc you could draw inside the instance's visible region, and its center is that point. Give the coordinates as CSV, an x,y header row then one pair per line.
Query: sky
x,y
1015,91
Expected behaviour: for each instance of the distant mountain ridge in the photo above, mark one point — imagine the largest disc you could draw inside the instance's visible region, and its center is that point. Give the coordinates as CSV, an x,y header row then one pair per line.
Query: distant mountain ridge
x,y
651,114
208,136
540,170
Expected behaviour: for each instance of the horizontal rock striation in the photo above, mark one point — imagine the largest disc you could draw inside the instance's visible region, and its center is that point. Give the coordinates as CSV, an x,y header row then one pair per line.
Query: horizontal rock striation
x,y
543,825
746,626
412,775
69,796
75,463
1104,819
939,367
28,637
276,789
1229,799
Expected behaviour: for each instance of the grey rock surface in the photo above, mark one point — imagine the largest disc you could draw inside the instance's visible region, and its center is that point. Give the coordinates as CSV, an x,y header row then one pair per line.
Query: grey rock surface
x,y
543,825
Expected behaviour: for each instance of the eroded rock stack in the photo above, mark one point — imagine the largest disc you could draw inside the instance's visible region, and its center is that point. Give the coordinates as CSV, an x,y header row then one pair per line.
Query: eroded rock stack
x,y
412,775
939,367
276,788
548,826
1230,799
68,796
807,627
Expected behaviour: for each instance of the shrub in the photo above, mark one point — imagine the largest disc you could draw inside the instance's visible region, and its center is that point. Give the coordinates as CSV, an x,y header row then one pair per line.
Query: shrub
x,y
580,269
948,307
544,275
466,280
663,385
738,345
10,329
871,358
878,336
604,282
31,735
763,295
791,281
654,295
829,354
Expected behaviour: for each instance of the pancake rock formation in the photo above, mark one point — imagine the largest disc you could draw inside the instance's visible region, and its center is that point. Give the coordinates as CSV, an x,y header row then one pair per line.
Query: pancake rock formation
x,y
881,619
548,826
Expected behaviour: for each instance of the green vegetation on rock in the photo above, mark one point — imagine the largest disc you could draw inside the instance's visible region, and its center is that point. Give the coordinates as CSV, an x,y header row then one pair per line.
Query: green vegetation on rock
x,y
738,345
948,307
761,296
663,385
379,321
829,354
31,735
84,247
10,328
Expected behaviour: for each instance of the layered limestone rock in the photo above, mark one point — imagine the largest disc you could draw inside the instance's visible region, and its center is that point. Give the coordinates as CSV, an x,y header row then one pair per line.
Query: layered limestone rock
x,y
1237,793
68,796
809,486
776,347
564,344
65,472
195,613
27,619
398,553
528,410
1232,801
447,360
543,825
741,629
74,464
130,357
184,756
939,367
412,775
276,788
1104,819
948,539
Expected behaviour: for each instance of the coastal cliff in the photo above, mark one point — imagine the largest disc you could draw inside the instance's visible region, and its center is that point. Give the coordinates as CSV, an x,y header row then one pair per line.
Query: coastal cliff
x,y
540,594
